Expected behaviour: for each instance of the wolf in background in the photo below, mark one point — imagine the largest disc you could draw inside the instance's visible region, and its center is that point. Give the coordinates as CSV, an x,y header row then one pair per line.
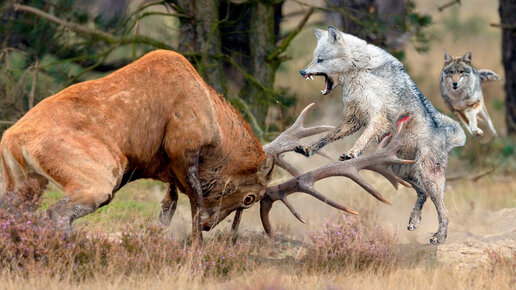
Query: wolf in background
x,y
376,90
462,93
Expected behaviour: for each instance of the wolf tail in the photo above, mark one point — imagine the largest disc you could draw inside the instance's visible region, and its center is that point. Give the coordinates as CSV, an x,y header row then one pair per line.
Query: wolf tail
x,y
488,75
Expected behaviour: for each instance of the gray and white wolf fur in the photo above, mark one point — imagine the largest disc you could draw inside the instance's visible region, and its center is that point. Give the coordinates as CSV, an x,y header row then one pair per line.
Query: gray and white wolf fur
x,y
462,93
376,91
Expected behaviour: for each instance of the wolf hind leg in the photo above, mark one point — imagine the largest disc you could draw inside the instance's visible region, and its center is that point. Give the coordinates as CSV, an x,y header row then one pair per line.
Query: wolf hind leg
x,y
432,181
415,215
168,205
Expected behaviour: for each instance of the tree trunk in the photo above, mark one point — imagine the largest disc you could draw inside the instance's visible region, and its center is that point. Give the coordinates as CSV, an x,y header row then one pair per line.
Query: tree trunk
x,y
262,42
200,40
508,22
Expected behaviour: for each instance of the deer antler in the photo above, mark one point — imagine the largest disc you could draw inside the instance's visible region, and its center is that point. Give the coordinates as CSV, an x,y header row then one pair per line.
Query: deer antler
x,y
378,161
291,138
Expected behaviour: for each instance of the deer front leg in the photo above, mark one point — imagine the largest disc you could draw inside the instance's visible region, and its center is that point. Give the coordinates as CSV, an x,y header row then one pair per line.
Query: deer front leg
x,y
373,131
194,193
344,129
168,205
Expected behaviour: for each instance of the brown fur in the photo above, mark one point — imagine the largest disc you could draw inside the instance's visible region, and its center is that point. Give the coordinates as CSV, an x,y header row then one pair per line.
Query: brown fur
x,y
155,118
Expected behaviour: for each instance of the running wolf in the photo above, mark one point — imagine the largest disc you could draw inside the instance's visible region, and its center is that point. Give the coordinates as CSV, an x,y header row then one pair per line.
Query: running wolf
x,y
376,90
462,93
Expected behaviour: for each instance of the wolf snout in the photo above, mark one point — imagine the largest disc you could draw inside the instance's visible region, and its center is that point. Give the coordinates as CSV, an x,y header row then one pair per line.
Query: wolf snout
x,y
455,85
302,72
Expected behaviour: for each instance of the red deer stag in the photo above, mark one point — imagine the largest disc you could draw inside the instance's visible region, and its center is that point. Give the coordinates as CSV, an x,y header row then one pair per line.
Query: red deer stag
x,y
156,118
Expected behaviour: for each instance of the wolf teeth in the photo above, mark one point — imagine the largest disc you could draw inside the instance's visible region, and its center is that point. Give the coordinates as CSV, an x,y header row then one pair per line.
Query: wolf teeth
x,y
322,91
312,77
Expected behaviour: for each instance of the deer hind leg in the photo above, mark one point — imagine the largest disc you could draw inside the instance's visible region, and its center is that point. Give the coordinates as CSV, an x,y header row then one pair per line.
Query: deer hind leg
x,y
89,185
432,182
72,207
168,205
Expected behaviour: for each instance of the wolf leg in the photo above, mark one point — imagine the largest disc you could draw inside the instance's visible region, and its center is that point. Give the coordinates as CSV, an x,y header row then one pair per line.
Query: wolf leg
x,y
485,116
344,129
373,131
432,181
460,116
471,115
168,205
415,215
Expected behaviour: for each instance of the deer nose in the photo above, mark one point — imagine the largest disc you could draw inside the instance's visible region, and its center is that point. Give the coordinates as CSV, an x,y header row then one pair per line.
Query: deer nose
x,y
302,72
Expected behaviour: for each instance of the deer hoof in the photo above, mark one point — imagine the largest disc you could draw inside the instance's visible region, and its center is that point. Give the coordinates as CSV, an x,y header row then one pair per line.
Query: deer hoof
x,y
303,150
346,156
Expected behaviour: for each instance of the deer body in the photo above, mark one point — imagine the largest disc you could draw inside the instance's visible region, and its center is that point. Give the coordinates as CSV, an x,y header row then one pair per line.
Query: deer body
x,y
155,118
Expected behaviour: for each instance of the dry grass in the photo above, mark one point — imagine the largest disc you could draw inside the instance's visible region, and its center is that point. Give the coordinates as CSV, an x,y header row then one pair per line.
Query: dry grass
x,y
373,251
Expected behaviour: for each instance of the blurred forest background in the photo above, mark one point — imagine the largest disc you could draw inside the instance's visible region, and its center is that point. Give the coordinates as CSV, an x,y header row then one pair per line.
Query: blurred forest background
x,y
251,51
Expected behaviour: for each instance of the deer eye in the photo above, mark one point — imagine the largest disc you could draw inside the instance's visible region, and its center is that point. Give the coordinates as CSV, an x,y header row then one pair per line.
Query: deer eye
x,y
320,60
249,200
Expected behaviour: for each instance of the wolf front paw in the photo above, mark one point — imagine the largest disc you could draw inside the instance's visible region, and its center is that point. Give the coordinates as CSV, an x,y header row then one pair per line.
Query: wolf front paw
x,y
304,150
347,156
477,132
438,239
414,223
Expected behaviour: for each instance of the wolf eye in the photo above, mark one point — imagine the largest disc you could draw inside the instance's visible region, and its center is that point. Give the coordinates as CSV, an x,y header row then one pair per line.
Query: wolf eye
x,y
461,72
249,200
320,60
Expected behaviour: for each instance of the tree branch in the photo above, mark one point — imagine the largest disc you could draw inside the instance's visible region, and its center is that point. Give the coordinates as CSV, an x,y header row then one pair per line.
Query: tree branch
x,y
448,5
503,26
80,29
286,42
32,92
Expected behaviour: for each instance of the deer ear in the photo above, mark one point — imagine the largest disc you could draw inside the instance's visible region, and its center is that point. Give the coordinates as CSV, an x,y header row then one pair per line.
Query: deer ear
x,y
334,35
265,170
467,57
447,57
318,33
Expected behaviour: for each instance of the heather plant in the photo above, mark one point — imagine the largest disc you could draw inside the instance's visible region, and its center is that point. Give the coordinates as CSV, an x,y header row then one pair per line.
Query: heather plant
x,y
346,244
33,245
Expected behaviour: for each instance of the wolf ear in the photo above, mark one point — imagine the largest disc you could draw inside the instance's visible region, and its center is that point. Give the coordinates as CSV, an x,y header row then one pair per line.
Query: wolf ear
x,y
318,33
467,57
447,57
334,35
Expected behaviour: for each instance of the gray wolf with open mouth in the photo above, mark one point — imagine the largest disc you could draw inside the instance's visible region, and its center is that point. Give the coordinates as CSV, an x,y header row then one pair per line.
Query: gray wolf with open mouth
x,y
376,91
462,93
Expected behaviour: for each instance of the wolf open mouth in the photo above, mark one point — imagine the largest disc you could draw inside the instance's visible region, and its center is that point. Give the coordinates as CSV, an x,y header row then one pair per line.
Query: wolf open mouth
x,y
328,83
